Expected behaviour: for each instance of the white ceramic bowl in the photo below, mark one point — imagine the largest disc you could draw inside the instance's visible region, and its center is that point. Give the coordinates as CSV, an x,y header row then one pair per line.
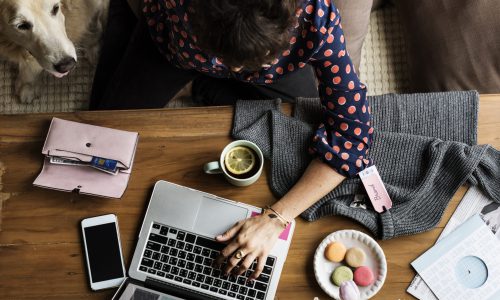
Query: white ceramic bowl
x,y
375,260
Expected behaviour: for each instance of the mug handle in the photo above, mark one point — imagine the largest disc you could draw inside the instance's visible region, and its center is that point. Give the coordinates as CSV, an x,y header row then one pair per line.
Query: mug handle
x,y
212,168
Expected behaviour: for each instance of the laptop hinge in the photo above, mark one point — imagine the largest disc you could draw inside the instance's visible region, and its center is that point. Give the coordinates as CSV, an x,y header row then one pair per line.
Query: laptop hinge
x,y
176,290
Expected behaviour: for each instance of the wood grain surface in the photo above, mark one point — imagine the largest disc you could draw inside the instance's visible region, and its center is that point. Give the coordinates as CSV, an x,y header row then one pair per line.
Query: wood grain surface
x,y
40,245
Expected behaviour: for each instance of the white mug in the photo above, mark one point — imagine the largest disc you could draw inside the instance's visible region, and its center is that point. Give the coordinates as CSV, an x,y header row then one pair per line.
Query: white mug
x,y
219,167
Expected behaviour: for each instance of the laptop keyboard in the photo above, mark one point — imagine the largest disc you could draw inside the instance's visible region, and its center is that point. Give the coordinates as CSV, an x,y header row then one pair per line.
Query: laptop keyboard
x,y
187,258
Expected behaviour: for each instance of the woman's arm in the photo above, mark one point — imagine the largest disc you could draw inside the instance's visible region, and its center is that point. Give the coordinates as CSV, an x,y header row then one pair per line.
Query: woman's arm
x,y
256,236
318,180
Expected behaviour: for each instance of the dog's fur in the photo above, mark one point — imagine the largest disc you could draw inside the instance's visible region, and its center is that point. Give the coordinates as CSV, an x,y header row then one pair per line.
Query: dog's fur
x,y
51,39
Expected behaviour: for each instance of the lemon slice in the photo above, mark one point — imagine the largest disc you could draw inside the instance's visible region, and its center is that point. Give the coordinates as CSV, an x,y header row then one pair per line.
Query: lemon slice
x,y
239,160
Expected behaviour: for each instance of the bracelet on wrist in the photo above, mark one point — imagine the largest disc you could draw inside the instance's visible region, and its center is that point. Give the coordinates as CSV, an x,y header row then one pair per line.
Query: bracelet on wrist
x,y
276,215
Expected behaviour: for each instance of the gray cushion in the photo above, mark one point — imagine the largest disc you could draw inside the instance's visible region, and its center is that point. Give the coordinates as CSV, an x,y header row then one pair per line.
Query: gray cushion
x,y
355,19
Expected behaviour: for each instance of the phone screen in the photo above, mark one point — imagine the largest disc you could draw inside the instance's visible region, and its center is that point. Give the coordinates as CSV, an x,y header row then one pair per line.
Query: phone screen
x,y
103,252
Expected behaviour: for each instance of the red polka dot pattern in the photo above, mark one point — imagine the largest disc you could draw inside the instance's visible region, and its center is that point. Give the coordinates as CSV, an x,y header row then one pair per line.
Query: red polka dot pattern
x,y
344,136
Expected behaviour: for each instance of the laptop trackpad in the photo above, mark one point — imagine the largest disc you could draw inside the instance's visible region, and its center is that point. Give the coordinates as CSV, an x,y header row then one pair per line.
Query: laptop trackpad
x,y
215,216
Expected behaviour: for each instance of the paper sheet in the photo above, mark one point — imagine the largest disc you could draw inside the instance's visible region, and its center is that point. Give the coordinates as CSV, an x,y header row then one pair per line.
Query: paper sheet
x,y
464,264
474,202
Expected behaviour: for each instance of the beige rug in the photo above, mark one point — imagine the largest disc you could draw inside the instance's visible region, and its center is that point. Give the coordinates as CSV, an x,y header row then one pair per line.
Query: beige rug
x,y
383,69
383,58
70,93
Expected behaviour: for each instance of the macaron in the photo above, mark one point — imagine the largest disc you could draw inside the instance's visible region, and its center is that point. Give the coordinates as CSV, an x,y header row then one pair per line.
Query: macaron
x,y
355,257
349,291
341,274
363,276
335,252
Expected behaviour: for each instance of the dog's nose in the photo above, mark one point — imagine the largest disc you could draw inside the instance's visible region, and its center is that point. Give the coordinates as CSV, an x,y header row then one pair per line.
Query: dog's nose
x,y
65,65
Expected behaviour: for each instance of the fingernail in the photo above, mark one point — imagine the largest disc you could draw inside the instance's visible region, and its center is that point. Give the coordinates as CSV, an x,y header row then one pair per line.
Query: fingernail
x,y
219,236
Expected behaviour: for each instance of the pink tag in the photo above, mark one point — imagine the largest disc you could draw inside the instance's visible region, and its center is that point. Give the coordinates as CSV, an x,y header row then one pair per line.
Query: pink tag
x,y
284,234
375,188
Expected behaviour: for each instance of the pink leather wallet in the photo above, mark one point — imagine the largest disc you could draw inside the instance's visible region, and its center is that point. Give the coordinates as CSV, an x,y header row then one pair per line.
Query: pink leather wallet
x,y
82,142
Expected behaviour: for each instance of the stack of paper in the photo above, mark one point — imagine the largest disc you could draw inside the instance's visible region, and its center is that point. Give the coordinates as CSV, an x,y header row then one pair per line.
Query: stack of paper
x,y
464,263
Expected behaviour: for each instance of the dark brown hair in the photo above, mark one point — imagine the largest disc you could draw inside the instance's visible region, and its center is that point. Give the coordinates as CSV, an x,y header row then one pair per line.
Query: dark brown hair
x,y
246,33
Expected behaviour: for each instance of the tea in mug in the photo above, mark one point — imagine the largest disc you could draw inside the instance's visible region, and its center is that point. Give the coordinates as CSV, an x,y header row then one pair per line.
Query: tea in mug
x,y
241,162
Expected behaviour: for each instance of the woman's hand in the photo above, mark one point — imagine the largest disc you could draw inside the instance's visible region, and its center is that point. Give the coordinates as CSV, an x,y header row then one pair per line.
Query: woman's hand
x,y
251,239
256,236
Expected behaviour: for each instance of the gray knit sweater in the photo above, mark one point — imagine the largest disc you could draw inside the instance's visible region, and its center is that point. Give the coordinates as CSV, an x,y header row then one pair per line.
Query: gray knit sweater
x,y
424,147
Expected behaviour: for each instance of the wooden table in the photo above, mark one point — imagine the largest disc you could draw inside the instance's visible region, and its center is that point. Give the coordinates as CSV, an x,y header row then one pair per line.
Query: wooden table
x,y
40,247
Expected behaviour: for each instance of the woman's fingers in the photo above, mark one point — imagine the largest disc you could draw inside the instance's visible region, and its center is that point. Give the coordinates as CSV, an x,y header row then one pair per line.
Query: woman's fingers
x,y
226,236
226,253
246,263
232,262
261,261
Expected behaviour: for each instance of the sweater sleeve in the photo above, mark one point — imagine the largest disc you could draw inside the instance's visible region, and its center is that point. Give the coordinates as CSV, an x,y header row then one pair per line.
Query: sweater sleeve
x,y
343,138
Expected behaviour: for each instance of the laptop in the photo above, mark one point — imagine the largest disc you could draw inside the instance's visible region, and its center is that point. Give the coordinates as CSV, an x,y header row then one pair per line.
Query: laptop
x,y
176,248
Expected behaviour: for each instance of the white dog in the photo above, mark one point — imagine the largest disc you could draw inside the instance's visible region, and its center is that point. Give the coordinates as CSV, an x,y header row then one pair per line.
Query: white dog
x,y
39,35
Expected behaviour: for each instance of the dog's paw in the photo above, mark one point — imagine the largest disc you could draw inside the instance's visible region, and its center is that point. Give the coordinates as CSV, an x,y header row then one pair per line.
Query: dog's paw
x,y
26,92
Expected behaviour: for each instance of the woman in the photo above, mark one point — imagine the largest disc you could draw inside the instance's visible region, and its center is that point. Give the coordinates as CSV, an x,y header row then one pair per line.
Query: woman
x,y
235,49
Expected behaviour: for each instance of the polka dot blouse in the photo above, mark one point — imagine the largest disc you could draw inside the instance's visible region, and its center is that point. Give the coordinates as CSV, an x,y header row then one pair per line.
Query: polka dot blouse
x,y
344,135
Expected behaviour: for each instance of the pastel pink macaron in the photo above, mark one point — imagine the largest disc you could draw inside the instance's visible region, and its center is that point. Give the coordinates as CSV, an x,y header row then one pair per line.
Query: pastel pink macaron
x,y
363,276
